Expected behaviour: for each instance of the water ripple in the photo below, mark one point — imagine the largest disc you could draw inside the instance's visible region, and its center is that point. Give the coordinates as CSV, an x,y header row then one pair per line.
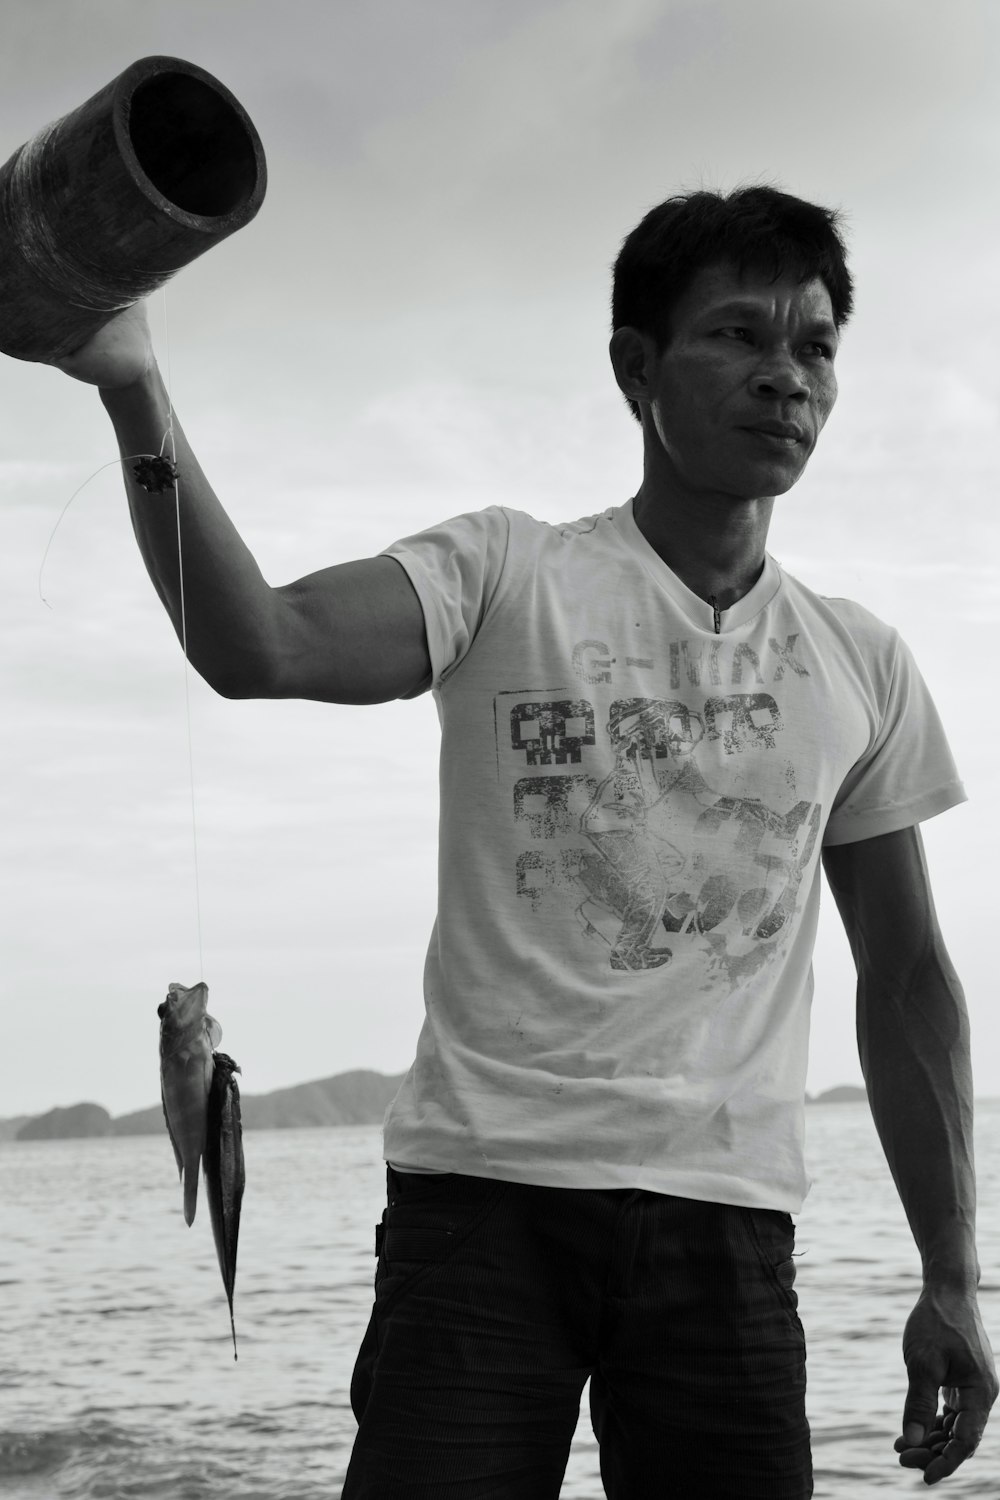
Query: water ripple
x,y
119,1322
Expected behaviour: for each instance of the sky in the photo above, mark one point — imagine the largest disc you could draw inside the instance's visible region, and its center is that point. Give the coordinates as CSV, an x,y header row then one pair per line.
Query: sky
x,y
416,325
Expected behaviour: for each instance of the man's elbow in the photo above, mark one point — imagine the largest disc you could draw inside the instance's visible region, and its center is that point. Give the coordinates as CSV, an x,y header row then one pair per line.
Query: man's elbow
x,y
234,690
238,679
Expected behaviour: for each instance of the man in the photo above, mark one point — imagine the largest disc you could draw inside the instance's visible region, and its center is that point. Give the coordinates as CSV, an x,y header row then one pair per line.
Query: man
x,y
650,733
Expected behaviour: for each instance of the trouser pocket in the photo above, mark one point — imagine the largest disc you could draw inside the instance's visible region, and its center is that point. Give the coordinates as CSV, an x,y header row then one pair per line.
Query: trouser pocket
x,y
428,1217
773,1235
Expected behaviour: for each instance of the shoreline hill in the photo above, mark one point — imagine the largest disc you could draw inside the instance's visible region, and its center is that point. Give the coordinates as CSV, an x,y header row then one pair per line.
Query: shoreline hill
x,y
359,1097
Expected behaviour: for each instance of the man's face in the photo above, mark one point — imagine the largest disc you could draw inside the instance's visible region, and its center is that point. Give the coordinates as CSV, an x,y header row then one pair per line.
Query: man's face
x,y
737,399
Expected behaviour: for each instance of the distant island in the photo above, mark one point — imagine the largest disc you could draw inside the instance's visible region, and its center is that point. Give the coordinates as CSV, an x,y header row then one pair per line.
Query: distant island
x,y
356,1098
844,1093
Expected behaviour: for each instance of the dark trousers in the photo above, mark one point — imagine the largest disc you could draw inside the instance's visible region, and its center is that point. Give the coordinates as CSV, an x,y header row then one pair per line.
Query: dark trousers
x,y
494,1303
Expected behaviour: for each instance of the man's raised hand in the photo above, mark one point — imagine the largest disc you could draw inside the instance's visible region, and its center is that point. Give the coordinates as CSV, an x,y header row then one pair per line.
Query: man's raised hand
x,y
118,355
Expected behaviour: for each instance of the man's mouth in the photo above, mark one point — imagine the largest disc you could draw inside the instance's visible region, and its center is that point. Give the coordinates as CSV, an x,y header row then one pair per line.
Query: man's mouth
x,y
777,434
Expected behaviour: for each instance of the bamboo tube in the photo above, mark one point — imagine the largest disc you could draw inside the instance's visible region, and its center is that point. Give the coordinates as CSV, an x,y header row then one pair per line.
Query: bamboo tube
x,y
100,208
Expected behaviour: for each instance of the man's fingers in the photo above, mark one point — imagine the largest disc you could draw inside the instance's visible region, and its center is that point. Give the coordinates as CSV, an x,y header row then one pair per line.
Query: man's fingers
x,y
965,1430
954,1438
915,1458
918,1455
919,1410
942,1464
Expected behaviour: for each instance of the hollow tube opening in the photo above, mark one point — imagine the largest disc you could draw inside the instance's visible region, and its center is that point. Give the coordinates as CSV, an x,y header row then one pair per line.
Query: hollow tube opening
x,y
192,145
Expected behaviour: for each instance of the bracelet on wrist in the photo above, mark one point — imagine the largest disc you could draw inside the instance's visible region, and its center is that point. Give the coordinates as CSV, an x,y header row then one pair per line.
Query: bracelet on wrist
x,y
155,473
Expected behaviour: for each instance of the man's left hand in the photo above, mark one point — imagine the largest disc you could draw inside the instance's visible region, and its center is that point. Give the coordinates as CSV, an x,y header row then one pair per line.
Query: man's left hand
x,y
945,1349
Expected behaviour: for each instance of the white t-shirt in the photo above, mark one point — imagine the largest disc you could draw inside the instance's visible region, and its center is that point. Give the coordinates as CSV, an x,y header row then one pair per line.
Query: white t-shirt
x,y
618,983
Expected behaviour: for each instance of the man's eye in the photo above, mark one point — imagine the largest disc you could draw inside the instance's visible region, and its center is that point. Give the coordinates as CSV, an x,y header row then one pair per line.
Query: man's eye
x,y
735,333
824,350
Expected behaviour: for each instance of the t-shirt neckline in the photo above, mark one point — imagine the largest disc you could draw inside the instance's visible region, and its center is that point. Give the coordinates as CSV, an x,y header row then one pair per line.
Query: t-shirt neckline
x,y
697,610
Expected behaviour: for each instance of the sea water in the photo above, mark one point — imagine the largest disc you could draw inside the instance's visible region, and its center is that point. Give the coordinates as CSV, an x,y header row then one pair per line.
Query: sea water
x,y
117,1377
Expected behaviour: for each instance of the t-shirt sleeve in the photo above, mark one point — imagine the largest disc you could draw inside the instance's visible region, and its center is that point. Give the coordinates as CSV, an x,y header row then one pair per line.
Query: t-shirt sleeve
x,y
455,568
907,773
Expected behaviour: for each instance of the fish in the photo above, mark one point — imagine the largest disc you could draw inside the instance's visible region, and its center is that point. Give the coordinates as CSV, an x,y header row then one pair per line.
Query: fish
x,y
224,1173
201,1105
188,1037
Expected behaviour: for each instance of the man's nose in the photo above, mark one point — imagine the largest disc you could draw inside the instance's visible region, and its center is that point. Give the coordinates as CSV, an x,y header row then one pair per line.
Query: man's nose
x,y
781,379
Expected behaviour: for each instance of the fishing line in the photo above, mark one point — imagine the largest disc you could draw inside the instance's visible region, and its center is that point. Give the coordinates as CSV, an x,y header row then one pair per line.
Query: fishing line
x,y
111,465
170,434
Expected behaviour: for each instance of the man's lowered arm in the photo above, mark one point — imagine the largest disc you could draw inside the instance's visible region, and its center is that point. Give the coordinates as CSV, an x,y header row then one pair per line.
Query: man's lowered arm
x,y
913,1038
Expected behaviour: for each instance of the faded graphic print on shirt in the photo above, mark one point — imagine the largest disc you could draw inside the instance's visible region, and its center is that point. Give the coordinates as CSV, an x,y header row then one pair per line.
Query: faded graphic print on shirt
x,y
657,850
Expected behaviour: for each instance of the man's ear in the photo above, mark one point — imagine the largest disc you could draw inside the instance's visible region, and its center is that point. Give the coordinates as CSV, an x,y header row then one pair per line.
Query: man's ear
x,y
632,357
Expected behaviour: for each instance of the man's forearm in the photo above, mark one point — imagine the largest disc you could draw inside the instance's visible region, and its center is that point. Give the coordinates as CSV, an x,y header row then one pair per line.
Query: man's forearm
x,y
913,1036
227,601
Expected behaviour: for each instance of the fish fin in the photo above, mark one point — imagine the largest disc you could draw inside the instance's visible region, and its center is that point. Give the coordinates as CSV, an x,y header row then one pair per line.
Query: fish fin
x,y
177,1155
214,1030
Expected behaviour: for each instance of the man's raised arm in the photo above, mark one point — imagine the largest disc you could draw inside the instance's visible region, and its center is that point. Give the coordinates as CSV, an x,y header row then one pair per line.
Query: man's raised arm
x,y
353,633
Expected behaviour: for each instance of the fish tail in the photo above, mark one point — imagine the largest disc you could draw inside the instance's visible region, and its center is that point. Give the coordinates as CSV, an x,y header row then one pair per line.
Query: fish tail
x,y
190,1194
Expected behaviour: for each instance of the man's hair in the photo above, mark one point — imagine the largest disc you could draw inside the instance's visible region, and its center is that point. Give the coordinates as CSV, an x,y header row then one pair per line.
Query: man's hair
x,y
754,228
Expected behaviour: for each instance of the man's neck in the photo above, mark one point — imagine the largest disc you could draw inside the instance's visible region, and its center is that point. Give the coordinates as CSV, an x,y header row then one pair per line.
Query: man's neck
x,y
714,543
